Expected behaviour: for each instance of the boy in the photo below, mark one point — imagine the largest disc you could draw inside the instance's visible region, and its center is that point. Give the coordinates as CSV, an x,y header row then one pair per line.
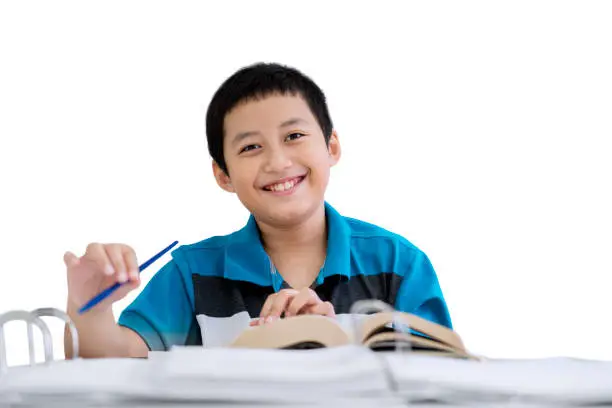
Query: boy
x,y
272,142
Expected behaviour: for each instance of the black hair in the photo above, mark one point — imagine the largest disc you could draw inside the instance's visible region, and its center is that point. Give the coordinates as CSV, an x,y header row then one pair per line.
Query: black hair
x,y
255,82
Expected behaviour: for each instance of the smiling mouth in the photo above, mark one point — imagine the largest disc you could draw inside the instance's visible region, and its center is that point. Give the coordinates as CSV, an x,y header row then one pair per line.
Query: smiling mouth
x,y
284,186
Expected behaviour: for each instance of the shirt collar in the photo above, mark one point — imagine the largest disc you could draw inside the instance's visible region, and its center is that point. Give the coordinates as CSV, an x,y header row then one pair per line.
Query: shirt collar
x,y
246,259
338,257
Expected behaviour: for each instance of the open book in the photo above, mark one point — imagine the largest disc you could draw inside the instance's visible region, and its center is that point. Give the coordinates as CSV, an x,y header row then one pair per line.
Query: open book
x,y
382,331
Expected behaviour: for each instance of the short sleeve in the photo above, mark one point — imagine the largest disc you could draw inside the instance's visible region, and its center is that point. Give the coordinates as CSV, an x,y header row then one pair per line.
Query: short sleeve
x,y
162,314
420,291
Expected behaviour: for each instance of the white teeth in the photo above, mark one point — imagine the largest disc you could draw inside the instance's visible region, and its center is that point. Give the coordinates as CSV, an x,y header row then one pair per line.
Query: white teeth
x,y
287,185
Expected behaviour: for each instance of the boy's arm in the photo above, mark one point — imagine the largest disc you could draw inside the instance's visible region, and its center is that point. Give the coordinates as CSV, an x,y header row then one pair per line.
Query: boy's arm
x,y
100,267
420,292
100,336
162,315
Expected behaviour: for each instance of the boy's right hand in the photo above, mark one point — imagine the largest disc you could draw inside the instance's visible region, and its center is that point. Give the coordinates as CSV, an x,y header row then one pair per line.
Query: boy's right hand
x,y
100,267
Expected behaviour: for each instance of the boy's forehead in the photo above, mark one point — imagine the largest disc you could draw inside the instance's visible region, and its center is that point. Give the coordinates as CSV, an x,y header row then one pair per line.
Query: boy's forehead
x,y
267,112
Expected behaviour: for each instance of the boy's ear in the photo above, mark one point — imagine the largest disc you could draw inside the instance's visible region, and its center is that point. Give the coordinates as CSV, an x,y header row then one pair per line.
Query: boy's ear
x,y
222,178
334,149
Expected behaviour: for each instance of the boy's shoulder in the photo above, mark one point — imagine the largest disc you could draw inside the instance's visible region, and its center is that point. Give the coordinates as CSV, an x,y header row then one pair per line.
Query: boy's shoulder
x,y
215,242
211,245
367,231
212,256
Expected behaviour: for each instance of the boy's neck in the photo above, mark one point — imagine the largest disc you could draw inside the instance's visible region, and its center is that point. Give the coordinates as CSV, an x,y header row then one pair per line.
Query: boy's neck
x,y
307,236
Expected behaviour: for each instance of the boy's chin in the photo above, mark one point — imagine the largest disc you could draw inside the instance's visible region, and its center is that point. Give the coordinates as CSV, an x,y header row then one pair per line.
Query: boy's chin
x,y
288,214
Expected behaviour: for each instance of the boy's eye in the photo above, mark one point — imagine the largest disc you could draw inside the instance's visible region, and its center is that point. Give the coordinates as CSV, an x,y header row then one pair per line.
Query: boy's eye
x,y
248,148
295,136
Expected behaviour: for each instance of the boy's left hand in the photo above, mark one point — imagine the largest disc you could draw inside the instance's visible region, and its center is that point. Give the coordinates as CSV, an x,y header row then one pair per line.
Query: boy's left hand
x,y
293,302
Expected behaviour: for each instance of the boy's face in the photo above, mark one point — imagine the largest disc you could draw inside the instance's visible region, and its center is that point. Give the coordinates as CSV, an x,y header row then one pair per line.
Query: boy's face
x,y
277,159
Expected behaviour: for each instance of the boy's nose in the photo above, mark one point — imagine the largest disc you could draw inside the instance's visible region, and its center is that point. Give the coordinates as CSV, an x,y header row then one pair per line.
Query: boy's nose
x,y
277,161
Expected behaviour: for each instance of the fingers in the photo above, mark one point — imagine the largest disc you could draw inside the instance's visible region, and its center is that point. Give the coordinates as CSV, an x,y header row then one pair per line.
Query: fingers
x,y
97,254
71,260
129,256
115,254
124,290
293,303
323,308
280,303
101,266
275,305
305,298
265,309
130,285
113,259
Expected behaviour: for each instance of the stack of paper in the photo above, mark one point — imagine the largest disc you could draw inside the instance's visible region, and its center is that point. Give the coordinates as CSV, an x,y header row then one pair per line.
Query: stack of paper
x,y
543,382
348,375
75,383
267,375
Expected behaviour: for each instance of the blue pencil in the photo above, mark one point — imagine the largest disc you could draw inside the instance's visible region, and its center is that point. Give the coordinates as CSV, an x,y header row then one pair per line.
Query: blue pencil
x,y
107,292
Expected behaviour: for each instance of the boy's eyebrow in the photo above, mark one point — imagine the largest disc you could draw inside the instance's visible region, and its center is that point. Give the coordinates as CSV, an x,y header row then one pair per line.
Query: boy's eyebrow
x,y
243,135
289,122
293,121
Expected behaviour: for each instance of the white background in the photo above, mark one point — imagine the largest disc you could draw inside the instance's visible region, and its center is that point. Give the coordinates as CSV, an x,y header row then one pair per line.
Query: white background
x,y
480,131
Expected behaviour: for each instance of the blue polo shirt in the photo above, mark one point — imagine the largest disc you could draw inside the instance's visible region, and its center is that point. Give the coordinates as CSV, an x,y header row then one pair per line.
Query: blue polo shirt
x,y
209,291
